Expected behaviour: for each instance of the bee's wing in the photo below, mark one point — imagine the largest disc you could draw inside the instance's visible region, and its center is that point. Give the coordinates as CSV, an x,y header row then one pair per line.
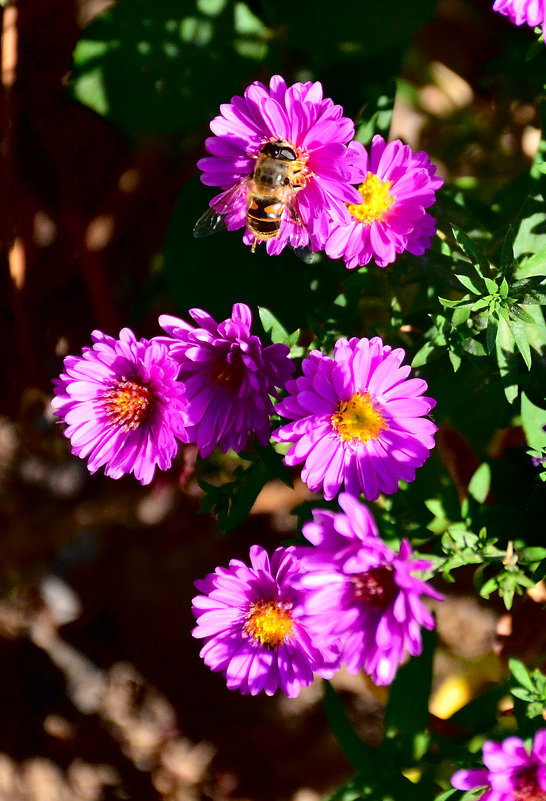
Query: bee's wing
x,y
303,252
214,219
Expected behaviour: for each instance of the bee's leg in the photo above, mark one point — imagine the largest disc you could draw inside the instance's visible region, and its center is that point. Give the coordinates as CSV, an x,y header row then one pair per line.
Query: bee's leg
x,y
253,248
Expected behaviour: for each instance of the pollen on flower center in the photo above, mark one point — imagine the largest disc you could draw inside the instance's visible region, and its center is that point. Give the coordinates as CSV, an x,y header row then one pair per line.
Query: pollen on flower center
x,y
128,403
269,622
376,587
376,200
527,787
358,418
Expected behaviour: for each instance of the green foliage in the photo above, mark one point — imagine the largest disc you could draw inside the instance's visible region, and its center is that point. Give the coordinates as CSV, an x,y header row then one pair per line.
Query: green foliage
x,y
233,501
529,688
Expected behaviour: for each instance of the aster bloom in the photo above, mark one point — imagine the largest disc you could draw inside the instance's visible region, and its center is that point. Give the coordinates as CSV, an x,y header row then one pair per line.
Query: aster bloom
x,y
317,132
228,377
396,186
358,420
363,593
520,12
254,626
122,404
512,773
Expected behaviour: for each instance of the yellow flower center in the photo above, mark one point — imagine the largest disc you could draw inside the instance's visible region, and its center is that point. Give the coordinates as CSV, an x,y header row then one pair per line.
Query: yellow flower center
x,y
376,200
269,622
127,404
358,418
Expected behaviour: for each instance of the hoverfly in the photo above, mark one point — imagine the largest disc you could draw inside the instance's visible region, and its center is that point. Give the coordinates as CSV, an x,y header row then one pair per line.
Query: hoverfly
x,y
270,192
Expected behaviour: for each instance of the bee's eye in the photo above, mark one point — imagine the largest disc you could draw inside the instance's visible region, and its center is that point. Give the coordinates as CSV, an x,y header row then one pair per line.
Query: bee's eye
x,y
286,153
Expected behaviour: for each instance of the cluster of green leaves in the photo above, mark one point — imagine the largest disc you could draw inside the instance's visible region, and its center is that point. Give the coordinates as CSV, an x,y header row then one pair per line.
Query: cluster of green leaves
x,y
529,687
506,570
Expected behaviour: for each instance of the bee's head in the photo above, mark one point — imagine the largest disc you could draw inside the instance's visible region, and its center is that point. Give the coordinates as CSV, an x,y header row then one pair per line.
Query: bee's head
x,y
280,149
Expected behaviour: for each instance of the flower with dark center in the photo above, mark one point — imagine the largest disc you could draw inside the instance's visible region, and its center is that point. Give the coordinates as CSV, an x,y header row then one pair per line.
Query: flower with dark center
x,y
228,378
362,592
513,772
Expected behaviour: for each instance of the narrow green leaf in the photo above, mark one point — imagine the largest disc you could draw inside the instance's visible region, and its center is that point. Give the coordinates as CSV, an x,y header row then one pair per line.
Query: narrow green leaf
x,y
507,253
272,326
533,419
474,253
455,360
460,315
491,334
360,754
423,355
518,313
520,673
491,285
377,115
469,284
519,333
480,483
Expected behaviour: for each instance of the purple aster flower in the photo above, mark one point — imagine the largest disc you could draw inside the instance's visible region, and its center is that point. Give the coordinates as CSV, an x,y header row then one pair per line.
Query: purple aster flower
x,y
255,628
123,405
228,377
358,420
396,186
311,132
520,12
512,773
362,592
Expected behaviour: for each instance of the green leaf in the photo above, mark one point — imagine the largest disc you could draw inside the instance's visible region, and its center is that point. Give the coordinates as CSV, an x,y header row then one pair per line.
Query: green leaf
x,y
507,360
520,673
491,285
272,326
474,253
469,284
519,333
533,419
517,312
530,291
480,483
531,236
534,265
407,708
360,754
460,315
507,253
428,351
491,333
377,115
455,360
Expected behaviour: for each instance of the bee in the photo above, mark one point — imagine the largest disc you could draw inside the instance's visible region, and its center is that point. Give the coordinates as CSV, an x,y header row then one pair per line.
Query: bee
x,y
271,193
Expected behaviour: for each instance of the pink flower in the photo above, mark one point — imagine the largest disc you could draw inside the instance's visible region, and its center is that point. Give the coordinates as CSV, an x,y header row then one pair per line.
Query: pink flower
x,y
396,187
512,773
528,12
362,592
316,131
123,405
357,420
254,626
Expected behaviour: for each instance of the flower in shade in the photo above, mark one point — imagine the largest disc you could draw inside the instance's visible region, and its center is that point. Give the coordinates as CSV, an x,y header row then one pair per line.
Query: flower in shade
x,y
228,377
123,405
313,127
255,628
520,12
357,420
512,772
396,186
363,593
